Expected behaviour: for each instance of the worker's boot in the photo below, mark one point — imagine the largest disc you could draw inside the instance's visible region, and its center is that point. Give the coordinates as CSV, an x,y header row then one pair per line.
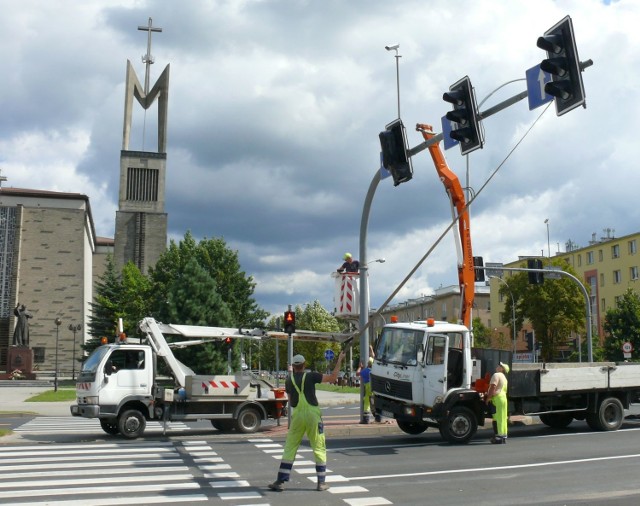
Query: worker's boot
x,y
494,424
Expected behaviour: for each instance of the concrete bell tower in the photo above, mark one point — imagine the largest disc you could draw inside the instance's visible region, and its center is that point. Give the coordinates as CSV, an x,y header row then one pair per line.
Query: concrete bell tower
x,y
141,222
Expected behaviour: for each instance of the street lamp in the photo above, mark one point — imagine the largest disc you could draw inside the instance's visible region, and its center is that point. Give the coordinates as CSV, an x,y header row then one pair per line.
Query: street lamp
x,y
74,328
513,309
395,47
546,222
58,322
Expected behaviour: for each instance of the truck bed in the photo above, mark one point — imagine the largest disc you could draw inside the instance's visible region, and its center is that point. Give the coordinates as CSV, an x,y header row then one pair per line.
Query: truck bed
x,y
529,380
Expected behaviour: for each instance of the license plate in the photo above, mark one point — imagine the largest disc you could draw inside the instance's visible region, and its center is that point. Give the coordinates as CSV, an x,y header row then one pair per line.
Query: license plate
x,y
386,414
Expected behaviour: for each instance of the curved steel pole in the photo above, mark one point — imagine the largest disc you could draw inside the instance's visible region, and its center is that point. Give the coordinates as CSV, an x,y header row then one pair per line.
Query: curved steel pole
x,y
364,283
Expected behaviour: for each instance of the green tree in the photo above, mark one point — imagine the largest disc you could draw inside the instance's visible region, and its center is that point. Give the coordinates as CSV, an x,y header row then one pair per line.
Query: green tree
x,y
621,324
135,298
555,308
481,334
222,264
193,299
105,308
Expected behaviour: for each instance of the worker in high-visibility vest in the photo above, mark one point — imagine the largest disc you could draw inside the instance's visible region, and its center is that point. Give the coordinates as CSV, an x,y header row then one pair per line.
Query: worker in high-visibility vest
x,y
306,418
497,394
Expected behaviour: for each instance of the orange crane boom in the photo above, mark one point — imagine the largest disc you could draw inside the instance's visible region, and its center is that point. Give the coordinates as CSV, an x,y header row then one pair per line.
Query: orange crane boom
x,y
466,271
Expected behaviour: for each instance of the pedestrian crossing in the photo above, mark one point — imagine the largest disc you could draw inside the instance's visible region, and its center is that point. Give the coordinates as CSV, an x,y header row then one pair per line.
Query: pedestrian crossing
x,y
119,474
353,495
77,425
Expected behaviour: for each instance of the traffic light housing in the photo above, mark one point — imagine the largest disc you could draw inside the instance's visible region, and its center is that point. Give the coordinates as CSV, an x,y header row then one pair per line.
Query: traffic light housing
x,y
479,273
228,343
529,337
535,278
394,146
290,322
564,66
465,113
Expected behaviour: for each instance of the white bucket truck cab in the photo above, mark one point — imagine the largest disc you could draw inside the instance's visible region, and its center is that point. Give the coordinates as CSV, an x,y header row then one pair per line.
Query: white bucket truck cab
x,y
119,385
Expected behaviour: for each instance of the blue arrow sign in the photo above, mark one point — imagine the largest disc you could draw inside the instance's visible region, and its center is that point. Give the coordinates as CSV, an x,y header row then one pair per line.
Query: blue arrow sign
x,y
446,134
383,172
328,354
536,79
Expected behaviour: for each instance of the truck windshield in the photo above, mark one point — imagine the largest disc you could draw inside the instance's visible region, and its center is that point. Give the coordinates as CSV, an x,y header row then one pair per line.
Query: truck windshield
x,y
399,346
91,364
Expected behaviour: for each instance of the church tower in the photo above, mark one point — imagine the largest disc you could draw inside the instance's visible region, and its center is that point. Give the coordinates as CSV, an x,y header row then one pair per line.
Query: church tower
x,y
141,221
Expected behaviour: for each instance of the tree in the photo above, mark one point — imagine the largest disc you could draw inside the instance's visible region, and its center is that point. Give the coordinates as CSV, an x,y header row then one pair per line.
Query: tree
x,y
555,308
222,264
135,298
104,308
621,324
481,334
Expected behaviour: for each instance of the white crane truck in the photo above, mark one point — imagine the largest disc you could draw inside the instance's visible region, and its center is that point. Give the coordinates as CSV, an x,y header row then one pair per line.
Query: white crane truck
x,y
426,374
119,384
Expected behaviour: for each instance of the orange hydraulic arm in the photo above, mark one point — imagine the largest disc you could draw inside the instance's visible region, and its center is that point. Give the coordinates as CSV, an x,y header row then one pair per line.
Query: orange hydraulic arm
x,y
466,272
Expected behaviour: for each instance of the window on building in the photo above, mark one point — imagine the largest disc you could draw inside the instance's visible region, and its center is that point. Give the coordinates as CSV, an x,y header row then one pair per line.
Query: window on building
x,y
615,251
633,247
618,299
601,279
617,277
600,255
603,305
38,354
579,260
590,257
633,272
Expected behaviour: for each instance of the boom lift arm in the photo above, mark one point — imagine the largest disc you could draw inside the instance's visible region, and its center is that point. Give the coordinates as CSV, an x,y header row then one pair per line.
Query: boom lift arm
x,y
466,272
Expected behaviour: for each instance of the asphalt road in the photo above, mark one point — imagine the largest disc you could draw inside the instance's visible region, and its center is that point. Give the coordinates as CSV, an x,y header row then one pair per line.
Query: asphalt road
x,y
538,465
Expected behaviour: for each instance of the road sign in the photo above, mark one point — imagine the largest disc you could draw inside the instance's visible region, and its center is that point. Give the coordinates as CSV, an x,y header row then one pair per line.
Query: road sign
x,y
536,79
384,173
627,347
552,272
328,354
446,134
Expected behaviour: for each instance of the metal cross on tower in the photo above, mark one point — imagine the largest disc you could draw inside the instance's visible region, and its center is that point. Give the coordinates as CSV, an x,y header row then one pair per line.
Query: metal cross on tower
x,y
148,58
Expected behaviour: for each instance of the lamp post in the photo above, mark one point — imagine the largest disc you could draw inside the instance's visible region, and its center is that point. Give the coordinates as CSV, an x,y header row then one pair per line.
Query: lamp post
x,y
513,309
74,328
395,47
58,322
546,222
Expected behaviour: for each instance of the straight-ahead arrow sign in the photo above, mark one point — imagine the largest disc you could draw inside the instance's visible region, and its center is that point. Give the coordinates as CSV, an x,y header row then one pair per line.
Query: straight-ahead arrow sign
x,y
536,79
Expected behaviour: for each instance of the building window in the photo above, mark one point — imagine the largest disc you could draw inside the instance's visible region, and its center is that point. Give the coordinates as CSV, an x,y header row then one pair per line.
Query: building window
x,y
600,255
633,247
38,354
590,257
617,277
603,305
618,299
615,251
579,260
633,272
601,279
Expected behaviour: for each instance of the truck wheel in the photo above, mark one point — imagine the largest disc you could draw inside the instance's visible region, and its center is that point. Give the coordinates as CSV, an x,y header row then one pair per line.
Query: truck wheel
x,y
109,426
413,428
460,426
223,425
248,421
131,423
610,415
556,420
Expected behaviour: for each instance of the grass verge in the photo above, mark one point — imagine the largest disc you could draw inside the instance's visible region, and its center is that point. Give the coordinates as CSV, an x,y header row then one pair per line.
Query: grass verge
x,y
62,395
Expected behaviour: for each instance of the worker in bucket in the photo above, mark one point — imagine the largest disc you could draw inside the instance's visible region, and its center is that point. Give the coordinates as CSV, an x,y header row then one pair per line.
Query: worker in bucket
x,y
349,265
306,418
497,394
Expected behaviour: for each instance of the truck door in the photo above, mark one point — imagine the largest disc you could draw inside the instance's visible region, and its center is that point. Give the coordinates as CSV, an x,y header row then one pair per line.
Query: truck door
x,y
129,373
435,368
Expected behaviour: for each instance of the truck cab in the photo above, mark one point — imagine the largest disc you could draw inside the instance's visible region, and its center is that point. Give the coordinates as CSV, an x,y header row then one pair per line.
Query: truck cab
x,y
422,376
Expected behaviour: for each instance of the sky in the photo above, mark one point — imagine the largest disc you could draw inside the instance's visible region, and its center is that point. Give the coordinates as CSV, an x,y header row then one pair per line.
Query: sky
x,y
275,107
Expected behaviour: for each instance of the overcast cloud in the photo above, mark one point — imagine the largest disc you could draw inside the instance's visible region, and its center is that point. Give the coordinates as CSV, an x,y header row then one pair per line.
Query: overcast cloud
x,y
274,113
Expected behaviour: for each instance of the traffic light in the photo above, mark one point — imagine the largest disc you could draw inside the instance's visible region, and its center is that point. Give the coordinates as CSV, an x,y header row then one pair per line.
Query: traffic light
x,y
529,337
228,343
465,113
478,262
535,278
290,322
393,142
564,66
